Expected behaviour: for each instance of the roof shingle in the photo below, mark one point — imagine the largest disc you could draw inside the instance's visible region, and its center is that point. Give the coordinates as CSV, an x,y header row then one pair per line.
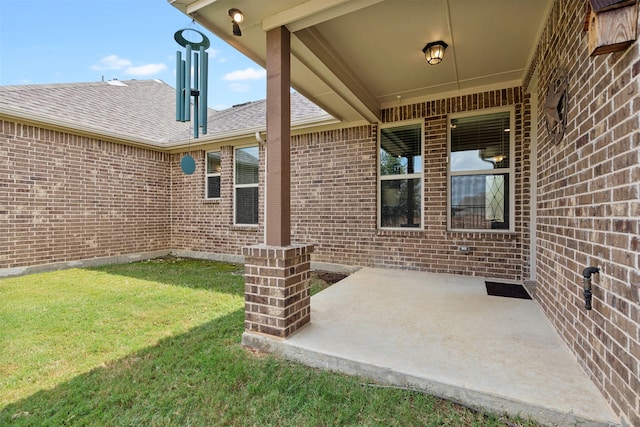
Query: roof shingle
x,y
142,110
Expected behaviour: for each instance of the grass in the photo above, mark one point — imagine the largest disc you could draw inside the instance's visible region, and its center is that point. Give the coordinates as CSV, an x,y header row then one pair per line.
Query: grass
x,y
157,343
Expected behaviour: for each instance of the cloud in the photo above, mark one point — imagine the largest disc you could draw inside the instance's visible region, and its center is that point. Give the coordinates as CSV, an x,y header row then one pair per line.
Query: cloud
x,y
111,62
114,62
145,70
246,74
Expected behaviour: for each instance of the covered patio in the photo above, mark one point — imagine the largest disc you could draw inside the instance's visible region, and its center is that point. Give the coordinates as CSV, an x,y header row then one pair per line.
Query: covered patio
x,y
444,335
570,101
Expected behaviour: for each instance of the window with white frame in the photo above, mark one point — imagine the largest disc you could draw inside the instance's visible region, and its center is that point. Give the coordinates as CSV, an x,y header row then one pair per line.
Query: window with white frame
x,y
214,167
480,189
400,176
246,185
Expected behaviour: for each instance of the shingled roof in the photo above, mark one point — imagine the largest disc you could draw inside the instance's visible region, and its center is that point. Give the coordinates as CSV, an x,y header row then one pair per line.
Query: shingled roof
x,y
138,110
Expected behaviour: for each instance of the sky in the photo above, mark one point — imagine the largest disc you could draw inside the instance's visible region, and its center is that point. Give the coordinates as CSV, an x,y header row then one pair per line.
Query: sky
x,y
71,41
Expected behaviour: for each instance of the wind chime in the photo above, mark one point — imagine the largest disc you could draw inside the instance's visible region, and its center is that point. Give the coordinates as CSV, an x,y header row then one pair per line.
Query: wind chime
x,y
196,60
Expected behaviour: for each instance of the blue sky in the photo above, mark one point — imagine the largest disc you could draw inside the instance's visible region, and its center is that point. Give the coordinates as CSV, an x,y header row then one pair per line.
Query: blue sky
x,y
69,41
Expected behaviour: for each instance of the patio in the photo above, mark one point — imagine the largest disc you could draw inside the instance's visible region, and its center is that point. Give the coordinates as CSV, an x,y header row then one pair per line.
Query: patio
x,y
444,335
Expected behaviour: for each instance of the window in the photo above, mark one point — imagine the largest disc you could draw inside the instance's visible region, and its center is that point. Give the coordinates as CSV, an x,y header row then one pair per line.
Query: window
x,y
246,185
212,183
480,171
400,176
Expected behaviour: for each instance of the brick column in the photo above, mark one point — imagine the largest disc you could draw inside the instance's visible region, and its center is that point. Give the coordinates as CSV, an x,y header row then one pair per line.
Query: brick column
x,y
277,300
276,290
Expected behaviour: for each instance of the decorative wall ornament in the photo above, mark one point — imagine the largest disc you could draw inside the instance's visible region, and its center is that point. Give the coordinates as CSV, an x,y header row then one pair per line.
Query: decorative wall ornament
x,y
555,107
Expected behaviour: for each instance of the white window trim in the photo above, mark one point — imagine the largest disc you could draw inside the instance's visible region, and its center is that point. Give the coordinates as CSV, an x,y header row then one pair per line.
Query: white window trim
x,y
510,170
209,175
420,175
236,186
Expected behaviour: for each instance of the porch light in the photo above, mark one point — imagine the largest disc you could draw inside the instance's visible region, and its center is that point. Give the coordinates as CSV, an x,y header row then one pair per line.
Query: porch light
x,y
434,52
236,18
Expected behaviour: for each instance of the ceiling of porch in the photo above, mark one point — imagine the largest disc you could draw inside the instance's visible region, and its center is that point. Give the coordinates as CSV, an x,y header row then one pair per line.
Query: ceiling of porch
x,y
354,57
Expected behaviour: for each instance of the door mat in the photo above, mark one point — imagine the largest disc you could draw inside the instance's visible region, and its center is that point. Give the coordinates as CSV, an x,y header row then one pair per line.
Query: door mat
x,y
508,290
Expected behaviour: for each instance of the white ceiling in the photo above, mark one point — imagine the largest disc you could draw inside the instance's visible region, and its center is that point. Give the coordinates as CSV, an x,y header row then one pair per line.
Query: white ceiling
x,y
354,57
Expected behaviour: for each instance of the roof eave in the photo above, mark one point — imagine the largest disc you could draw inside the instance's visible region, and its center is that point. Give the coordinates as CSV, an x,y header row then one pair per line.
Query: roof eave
x,y
75,128
91,132
235,135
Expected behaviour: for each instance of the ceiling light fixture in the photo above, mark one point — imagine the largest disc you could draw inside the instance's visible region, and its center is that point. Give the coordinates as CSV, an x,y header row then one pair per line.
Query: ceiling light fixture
x,y
236,18
434,52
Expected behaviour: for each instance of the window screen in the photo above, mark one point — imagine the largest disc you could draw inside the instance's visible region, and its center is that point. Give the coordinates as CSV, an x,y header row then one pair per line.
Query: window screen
x,y
214,167
246,185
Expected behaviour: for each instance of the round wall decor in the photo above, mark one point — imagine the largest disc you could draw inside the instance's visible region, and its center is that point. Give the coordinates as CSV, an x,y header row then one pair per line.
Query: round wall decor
x,y
188,164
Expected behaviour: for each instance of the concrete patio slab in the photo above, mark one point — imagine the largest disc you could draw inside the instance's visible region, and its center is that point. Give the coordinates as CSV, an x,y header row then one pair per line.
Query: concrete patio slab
x,y
444,335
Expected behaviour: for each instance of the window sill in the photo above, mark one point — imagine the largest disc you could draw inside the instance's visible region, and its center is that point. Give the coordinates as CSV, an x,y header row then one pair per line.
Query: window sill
x,y
211,201
243,227
476,233
399,231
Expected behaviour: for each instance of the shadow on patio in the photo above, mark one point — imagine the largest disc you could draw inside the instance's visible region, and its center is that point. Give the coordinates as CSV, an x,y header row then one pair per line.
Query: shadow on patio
x,y
444,335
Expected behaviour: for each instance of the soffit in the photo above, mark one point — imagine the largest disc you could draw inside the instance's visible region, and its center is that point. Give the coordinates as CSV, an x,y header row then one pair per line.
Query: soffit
x,y
354,57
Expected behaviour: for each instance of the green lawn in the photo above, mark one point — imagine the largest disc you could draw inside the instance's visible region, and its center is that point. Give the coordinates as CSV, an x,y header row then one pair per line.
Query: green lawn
x,y
157,343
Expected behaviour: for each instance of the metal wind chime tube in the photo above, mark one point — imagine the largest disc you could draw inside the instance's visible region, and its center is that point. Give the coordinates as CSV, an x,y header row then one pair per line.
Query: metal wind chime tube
x,y
179,82
186,90
195,92
196,55
204,87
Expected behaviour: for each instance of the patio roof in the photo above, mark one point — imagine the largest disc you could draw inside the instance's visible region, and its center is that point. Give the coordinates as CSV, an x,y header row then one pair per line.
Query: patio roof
x,y
141,112
354,57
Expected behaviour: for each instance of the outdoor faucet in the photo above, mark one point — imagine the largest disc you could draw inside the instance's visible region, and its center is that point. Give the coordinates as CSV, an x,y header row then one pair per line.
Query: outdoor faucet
x,y
586,274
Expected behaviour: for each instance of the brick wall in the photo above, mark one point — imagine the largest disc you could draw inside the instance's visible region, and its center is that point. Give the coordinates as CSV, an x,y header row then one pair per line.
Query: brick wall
x,y
589,206
334,197
65,197
203,225
71,197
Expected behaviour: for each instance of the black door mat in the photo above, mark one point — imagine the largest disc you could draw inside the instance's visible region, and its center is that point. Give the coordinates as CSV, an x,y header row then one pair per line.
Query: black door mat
x,y
508,290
